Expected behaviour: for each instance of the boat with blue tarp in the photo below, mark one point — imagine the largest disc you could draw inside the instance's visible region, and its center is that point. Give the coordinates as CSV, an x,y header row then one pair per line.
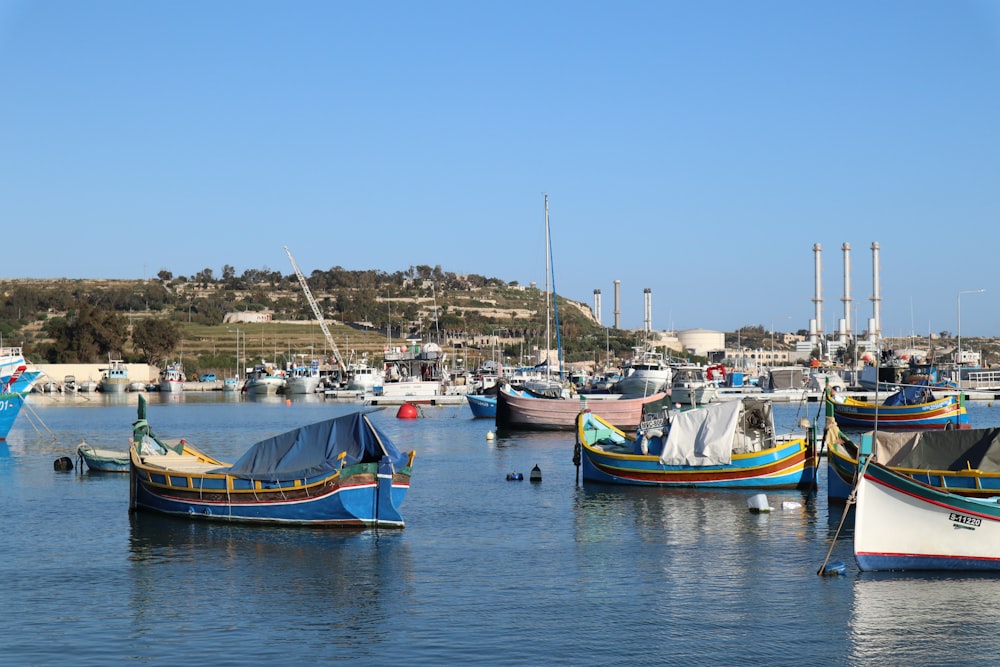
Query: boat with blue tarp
x,y
341,472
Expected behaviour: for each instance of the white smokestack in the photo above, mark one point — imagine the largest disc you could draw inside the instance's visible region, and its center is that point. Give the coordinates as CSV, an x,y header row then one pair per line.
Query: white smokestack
x,y
818,299
876,331
618,304
647,297
845,329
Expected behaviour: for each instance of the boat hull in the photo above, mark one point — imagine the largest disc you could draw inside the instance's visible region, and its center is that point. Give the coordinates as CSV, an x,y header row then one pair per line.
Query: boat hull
x,y
789,464
517,411
99,460
942,413
953,461
361,498
338,472
114,386
901,524
302,385
483,407
10,407
266,386
641,384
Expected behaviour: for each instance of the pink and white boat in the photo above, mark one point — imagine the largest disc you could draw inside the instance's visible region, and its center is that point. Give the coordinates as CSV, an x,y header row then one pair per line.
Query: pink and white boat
x,y
518,409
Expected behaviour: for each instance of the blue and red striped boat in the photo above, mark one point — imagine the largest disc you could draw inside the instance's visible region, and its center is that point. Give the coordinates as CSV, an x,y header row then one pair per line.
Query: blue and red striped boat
x,y
910,408
342,472
721,445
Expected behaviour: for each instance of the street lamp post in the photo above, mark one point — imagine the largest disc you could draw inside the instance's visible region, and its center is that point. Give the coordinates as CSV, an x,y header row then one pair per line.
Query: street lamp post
x,y
958,359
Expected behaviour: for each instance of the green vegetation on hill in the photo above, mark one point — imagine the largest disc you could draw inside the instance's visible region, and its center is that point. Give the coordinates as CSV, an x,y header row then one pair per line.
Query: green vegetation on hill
x,y
151,321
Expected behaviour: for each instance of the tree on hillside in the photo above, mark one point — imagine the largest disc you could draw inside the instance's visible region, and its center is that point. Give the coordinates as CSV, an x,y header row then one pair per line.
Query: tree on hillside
x,y
87,336
156,338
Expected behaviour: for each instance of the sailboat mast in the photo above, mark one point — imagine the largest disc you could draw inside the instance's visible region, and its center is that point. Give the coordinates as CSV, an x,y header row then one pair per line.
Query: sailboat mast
x,y
548,294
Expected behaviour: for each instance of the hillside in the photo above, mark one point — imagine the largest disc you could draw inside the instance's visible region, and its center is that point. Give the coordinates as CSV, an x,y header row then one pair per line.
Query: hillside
x,y
364,315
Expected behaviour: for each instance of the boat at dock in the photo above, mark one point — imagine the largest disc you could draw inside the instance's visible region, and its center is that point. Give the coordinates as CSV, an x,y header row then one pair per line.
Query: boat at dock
x,y
303,378
264,379
172,378
648,373
114,378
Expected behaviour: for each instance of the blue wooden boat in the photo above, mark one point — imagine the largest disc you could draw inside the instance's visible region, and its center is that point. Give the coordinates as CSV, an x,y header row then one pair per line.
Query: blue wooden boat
x,y
910,408
16,382
11,403
903,524
482,406
721,445
342,472
966,462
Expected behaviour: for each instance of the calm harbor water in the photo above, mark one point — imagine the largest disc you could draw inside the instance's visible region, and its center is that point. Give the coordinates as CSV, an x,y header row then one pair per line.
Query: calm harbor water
x,y
486,571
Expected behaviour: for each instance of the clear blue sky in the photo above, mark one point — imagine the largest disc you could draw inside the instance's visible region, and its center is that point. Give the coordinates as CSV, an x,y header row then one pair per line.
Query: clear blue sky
x,y
699,149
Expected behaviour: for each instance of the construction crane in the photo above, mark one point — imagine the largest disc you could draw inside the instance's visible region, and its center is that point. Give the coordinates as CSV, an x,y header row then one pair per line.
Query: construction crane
x,y
317,312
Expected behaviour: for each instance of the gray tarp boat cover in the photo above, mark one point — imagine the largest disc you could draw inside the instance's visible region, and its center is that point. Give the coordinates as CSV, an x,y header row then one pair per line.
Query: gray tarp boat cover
x,y
315,449
779,379
977,448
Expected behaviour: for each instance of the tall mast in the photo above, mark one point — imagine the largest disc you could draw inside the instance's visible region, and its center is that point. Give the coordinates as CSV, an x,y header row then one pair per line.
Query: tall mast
x,y
548,294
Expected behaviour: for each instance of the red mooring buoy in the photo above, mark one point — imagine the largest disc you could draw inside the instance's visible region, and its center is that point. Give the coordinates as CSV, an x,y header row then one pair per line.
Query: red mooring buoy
x,y
407,411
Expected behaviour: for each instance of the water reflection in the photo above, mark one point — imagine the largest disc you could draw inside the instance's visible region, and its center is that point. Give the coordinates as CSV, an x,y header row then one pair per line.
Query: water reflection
x,y
910,619
340,585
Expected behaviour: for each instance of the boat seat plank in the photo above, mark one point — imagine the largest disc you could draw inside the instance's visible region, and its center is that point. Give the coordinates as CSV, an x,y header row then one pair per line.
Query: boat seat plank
x,y
183,463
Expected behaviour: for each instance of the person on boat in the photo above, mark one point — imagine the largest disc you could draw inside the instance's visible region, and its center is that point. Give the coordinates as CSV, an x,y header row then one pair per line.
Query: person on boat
x,y
834,396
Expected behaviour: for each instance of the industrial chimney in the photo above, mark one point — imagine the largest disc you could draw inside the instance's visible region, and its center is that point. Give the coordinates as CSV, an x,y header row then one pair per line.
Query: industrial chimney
x,y
845,327
618,304
816,326
597,305
875,333
647,296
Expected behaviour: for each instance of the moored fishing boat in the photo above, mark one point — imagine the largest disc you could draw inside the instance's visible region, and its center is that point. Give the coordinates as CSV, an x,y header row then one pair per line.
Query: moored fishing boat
x,y
114,378
648,373
342,472
696,384
732,444
172,378
519,409
903,524
103,460
11,402
910,408
966,462
264,380
303,379
482,405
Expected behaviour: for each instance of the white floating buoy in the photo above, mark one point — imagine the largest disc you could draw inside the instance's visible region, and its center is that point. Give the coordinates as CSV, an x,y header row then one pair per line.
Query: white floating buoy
x,y
790,505
489,435
758,504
